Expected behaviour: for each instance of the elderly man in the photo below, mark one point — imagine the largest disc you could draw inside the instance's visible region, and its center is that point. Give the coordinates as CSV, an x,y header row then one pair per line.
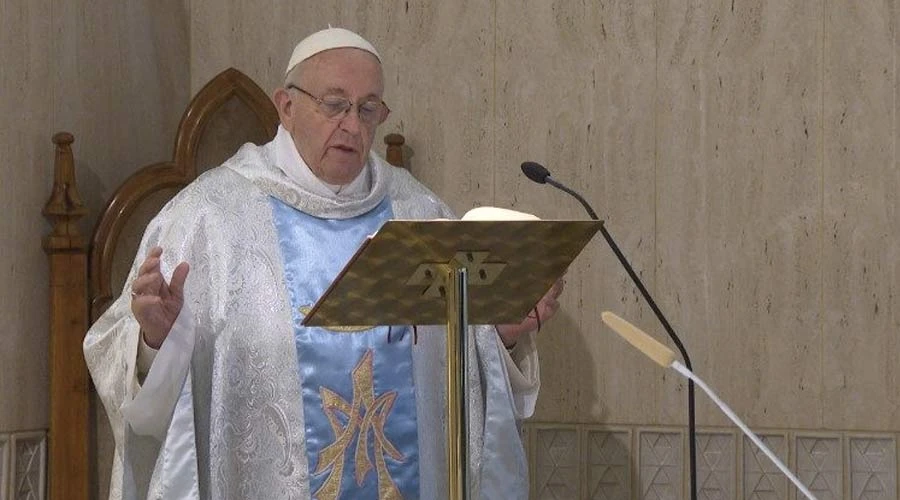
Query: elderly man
x,y
213,387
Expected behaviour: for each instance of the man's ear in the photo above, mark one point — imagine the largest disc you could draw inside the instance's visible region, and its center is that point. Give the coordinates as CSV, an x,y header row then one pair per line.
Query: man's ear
x,y
284,104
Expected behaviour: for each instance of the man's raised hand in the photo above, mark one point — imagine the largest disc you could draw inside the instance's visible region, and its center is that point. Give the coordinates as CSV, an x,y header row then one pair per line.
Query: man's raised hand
x,y
155,302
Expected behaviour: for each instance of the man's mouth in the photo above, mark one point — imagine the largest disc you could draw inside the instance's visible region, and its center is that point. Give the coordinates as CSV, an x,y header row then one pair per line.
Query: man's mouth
x,y
344,148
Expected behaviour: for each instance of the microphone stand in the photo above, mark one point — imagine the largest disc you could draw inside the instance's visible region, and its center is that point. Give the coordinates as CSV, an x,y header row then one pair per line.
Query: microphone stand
x,y
663,356
692,424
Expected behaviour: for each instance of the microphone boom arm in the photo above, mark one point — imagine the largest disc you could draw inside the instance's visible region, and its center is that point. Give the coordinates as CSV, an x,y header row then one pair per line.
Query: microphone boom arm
x,y
692,418
539,174
577,196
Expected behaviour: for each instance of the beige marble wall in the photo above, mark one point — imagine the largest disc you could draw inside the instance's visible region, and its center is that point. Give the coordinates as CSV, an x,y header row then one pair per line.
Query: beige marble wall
x,y
115,74
739,201
437,56
574,92
861,216
120,83
743,154
25,167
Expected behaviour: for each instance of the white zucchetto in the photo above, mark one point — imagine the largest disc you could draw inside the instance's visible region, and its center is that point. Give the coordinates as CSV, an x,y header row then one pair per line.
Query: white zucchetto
x,y
327,39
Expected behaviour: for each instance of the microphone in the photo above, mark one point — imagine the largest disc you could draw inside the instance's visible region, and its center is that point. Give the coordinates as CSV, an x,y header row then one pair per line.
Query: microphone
x,y
664,357
535,172
538,173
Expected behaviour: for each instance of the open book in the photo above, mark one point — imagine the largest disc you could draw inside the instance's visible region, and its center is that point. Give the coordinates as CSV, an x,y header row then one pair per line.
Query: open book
x,y
495,213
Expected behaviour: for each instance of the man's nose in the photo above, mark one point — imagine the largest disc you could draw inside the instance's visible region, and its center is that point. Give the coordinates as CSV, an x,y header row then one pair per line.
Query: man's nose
x,y
351,122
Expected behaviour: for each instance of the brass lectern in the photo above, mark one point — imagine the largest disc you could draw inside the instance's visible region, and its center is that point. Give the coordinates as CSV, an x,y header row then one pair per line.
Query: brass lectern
x,y
453,273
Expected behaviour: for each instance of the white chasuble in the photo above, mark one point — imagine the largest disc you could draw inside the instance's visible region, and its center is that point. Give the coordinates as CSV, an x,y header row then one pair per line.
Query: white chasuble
x,y
223,412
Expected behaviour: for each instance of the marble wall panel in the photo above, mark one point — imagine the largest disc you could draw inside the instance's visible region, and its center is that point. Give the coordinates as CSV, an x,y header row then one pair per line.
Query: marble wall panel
x,y
662,461
872,464
4,466
743,153
25,170
120,84
254,37
731,144
608,463
110,73
738,219
761,478
557,456
861,240
819,464
716,465
445,98
624,462
28,467
258,37
438,75
23,465
575,91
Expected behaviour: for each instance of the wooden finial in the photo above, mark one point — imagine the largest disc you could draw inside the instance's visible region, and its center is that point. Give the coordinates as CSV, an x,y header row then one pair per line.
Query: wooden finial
x,y
64,207
394,153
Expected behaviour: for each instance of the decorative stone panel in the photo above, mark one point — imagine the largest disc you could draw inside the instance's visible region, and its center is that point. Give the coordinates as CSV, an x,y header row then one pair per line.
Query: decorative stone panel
x,y
28,468
873,468
661,458
716,465
820,465
627,462
556,463
4,466
761,478
608,463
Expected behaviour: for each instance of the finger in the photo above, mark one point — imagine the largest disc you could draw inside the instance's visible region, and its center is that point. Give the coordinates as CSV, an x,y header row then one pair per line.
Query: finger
x,y
179,275
177,280
145,302
151,260
549,309
148,284
553,293
549,303
559,286
143,307
150,265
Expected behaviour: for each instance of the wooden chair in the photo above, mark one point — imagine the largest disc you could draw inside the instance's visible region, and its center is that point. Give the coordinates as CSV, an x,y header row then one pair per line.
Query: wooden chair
x,y
85,276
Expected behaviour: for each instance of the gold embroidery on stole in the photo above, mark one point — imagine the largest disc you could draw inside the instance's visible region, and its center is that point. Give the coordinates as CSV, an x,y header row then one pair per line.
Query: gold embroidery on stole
x,y
364,413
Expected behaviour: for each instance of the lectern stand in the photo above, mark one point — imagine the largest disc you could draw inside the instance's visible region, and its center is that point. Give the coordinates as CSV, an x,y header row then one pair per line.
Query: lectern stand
x,y
453,273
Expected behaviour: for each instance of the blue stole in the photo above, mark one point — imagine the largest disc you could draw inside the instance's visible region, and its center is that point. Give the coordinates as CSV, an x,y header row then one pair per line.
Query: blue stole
x,y
359,401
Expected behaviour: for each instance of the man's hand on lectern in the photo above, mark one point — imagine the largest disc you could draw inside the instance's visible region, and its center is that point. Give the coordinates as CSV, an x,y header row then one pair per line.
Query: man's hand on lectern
x,y
544,310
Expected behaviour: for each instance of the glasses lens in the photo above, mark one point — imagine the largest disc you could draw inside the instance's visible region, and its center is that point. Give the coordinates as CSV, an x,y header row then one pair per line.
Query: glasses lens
x,y
334,106
371,111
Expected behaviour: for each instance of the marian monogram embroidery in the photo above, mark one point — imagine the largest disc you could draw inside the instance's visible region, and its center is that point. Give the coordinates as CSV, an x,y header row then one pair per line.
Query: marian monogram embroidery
x,y
365,417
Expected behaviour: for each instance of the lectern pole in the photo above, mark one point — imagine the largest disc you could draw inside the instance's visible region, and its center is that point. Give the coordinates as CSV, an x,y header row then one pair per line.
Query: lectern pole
x,y
457,397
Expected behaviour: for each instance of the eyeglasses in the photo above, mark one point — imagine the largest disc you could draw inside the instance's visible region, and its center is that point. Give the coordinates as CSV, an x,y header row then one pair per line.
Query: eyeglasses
x,y
335,108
